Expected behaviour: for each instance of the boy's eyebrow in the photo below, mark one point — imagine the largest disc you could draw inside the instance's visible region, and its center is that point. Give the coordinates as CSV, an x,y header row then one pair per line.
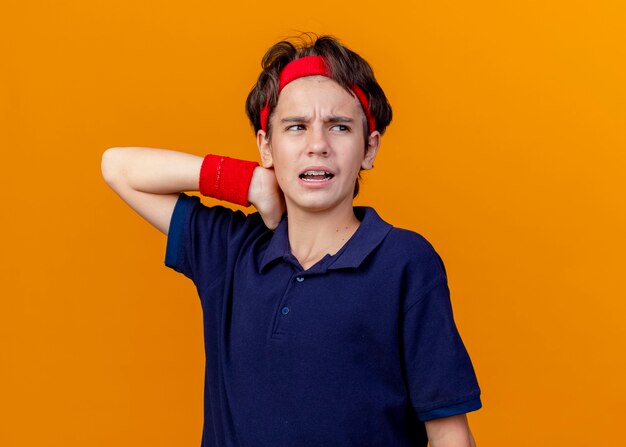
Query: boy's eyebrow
x,y
294,119
328,119
338,119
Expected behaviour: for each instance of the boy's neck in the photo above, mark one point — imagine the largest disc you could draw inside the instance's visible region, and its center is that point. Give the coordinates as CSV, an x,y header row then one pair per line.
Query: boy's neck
x,y
312,235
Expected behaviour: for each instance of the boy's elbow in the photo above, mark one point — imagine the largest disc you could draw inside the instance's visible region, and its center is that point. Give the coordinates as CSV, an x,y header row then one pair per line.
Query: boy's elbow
x,y
110,165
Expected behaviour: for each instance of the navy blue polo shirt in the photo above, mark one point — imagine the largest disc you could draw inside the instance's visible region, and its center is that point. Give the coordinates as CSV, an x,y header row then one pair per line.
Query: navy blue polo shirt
x,y
358,350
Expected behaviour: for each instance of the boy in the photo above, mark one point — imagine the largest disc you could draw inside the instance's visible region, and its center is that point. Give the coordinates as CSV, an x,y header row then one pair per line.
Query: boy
x,y
324,325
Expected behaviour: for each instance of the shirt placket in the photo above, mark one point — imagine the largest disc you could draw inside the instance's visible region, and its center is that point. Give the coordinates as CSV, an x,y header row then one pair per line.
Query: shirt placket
x,y
288,305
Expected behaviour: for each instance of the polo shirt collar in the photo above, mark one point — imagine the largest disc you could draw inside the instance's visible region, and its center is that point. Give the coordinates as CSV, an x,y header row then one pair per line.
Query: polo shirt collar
x,y
367,237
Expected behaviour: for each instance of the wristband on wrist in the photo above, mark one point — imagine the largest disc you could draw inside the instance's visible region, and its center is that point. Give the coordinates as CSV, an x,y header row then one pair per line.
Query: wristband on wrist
x,y
226,178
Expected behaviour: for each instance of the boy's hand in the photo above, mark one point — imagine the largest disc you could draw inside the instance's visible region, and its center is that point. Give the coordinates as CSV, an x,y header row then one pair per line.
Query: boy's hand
x,y
266,196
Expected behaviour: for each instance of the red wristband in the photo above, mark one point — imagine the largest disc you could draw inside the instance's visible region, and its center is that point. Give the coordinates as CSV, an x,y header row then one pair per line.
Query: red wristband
x,y
226,178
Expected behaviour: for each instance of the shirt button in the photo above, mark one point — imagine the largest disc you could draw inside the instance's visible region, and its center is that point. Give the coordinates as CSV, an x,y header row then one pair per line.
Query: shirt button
x,y
300,278
285,310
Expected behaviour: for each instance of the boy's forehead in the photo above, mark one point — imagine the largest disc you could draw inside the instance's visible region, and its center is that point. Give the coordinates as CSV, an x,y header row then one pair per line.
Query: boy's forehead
x,y
316,93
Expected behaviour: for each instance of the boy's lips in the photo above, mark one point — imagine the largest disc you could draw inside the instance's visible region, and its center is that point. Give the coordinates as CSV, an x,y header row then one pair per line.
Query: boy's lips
x,y
317,174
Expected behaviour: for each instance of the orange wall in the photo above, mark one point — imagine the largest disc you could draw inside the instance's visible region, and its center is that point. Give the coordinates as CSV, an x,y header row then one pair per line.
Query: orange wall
x,y
507,151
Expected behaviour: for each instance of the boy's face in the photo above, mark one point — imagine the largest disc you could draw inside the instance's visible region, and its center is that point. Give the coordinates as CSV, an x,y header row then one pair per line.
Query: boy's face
x,y
317,144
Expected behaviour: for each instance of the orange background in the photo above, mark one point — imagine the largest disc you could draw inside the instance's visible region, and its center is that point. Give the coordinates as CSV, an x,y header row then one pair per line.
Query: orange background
x,y
507,151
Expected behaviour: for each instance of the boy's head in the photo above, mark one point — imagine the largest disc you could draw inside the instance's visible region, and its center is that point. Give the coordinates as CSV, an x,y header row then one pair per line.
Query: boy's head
x,y
345,67
333,60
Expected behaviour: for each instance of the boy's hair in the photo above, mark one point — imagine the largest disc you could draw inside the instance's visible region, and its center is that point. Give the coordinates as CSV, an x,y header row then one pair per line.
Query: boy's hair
x,y
346,68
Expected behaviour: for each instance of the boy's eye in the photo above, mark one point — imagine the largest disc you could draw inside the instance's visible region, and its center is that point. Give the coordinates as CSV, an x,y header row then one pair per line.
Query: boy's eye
x,y
296,127
341,128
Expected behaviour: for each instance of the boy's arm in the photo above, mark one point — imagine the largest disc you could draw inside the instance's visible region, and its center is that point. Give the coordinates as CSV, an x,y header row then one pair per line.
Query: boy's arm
x,y
451,431
150,180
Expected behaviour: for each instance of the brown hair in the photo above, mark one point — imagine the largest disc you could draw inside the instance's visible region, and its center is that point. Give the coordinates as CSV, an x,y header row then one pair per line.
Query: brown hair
x,y
346,68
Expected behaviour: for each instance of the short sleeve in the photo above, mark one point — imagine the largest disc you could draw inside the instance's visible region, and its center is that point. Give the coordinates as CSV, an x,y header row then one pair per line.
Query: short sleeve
x,y
440,374
198,236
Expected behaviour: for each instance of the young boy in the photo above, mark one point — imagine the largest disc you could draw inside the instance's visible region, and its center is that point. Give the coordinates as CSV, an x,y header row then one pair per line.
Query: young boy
x,y
324,325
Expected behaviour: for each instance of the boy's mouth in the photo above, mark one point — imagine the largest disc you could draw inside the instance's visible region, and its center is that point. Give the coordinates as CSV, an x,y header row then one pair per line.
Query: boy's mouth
x,y
316,176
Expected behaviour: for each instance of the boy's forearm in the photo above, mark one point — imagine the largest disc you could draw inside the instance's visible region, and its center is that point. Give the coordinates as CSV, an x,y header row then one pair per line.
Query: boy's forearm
x,y
451,431
163,171
157,171
452,442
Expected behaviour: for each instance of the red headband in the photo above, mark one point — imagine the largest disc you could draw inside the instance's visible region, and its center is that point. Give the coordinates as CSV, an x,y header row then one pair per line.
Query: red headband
x,y
312,66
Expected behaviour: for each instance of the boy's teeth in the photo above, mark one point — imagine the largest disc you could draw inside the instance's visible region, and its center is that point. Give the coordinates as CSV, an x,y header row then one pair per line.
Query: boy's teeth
x,y
316,176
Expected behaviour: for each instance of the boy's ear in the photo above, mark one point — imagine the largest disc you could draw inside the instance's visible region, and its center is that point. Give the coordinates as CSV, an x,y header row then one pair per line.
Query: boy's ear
x,y
264,149
373,144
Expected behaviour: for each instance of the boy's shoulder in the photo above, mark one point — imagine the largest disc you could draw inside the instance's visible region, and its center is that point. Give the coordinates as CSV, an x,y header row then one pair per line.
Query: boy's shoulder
x,y
415,247
410,239
409,242
411,250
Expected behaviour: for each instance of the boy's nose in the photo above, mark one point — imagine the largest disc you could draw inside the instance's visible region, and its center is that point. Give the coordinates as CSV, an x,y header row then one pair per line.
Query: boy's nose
x,y
318,142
